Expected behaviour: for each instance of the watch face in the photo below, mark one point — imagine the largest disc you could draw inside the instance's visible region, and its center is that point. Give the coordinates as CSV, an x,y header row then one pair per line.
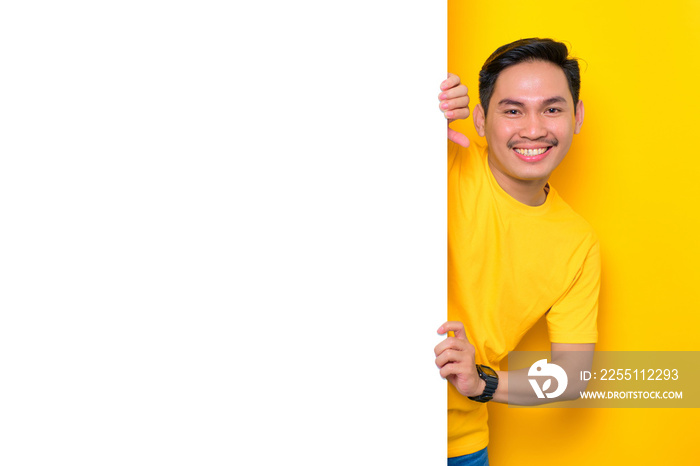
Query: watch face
x,y
488,371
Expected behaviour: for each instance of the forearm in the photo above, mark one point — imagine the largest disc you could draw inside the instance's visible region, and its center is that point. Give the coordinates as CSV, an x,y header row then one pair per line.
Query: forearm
x,y
515,388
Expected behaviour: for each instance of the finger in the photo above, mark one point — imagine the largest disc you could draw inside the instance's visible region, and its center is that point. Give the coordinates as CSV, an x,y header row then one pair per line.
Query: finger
x,y
450,369
450,343
449,356
457,138
454,325
457,114
455,92
452,104
448,326
451,81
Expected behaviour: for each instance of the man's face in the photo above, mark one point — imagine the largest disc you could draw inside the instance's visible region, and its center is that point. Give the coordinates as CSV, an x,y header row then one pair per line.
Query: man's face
x,y
530,123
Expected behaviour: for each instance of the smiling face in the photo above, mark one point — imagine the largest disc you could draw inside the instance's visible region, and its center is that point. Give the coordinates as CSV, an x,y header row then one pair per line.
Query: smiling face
x,y
529,127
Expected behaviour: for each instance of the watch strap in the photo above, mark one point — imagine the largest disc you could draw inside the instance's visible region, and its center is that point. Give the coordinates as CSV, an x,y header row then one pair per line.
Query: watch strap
x,y
489,389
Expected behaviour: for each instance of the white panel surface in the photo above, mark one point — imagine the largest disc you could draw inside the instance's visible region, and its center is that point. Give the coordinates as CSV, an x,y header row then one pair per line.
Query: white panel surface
x,y
223,233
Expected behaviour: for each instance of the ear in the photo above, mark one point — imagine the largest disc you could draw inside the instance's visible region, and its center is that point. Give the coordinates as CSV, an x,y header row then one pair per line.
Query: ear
x,y
579,117
479,120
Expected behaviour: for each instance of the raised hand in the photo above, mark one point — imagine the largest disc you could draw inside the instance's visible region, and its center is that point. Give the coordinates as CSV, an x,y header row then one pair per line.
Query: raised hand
x,y
454,103
455,358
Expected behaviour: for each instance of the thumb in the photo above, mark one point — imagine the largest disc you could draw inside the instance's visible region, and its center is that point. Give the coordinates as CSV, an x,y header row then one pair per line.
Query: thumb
x,y
457,137
455,326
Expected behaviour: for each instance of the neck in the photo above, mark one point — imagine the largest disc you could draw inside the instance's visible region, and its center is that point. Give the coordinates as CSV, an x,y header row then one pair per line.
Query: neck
x,y
529,197
528,192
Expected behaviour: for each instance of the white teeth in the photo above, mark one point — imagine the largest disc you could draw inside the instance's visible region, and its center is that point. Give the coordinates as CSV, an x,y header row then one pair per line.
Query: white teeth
x,y
531,152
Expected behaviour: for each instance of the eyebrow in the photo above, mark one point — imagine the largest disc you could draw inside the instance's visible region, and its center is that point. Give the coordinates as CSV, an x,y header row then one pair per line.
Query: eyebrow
x,y
550,101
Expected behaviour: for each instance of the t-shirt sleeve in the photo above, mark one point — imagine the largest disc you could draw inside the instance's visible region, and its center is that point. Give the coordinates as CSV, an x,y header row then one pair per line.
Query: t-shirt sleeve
x,y
573,318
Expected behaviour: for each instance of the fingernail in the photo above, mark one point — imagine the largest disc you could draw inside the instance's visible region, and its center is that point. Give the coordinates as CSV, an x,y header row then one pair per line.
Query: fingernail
x,y
443,96
449,114
444,105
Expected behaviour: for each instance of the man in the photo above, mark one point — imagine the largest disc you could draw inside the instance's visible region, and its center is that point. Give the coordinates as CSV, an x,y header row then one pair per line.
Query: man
x,y
516,250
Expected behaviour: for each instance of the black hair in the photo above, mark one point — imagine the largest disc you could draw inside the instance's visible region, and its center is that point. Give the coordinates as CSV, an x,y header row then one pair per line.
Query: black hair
x,y
527,50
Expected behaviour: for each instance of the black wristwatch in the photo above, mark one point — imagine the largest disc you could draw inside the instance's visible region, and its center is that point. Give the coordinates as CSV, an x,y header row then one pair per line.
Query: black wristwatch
x,y
491,378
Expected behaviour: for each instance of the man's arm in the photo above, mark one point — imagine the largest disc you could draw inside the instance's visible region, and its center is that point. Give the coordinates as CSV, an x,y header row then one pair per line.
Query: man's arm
x,y
514,387
455,358
454,104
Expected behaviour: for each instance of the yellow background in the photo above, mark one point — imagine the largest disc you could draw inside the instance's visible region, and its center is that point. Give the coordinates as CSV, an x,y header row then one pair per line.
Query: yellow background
x,y
633,173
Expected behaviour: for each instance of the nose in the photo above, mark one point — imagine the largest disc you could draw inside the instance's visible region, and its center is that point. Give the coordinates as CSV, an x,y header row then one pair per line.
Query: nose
x,y
533,127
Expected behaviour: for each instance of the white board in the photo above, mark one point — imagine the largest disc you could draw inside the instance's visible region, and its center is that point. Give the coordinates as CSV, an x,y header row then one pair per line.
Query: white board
x,y
224,233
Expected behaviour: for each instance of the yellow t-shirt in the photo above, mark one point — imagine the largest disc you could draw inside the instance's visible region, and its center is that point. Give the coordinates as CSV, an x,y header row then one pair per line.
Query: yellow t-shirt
x,y
509,264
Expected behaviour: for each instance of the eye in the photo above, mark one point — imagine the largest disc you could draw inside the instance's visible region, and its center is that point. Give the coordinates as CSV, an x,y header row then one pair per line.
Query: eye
x,y
553,110
511,111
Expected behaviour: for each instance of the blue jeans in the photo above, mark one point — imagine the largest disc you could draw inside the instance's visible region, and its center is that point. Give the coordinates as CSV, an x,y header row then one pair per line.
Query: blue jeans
x,y
479,458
